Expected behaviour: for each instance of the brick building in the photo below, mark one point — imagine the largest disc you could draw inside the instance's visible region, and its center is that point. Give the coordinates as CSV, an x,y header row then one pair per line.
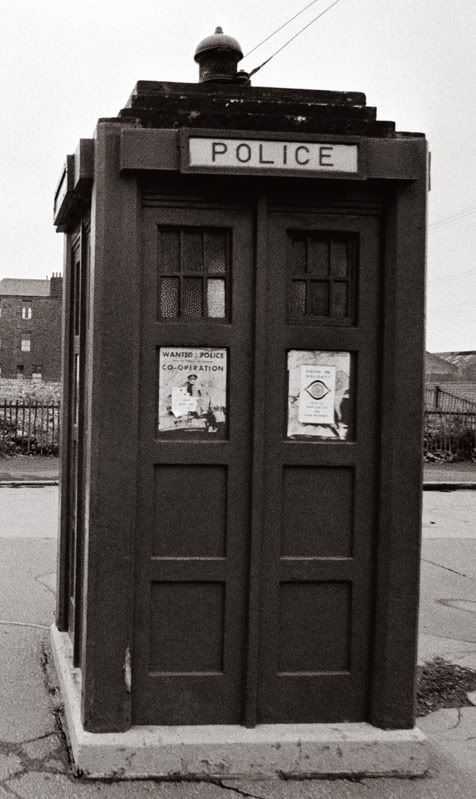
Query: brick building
x,y
30,328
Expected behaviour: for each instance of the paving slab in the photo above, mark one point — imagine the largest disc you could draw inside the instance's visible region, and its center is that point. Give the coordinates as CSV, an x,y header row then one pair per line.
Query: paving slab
x,y
24,709
44,748
27,569
5,793
29,512
9,765
52,786
455,730
449,514
447,615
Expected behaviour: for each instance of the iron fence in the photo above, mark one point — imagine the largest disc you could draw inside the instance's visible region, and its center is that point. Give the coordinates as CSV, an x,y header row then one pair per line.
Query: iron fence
x,y
29,427
33,427
450,426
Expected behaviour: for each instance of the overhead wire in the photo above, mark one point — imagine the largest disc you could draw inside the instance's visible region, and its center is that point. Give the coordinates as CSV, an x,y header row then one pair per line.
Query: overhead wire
x,y
463,214
284,25
256,69
456,306
452,277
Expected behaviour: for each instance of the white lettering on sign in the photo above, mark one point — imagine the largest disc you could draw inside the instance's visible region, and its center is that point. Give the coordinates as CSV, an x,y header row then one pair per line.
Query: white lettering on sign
x,y
265,155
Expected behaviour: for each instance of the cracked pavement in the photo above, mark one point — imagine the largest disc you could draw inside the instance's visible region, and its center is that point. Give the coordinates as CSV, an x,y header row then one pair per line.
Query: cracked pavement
x,y
34,761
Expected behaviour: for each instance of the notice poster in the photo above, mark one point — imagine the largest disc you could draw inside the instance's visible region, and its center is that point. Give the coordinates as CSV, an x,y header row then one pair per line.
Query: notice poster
x,y
192,392
317,394
319,401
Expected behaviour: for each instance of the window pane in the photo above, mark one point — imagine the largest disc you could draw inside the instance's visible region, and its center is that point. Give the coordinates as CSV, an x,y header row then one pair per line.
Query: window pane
x,y
169,251
192,251
192,303
319,298
298,255
319,258
297,298
216,298
215,252
340,303
169,297
339,259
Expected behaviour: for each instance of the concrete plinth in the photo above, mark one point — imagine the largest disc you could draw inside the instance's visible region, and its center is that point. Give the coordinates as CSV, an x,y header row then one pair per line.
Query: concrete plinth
x,y
207,752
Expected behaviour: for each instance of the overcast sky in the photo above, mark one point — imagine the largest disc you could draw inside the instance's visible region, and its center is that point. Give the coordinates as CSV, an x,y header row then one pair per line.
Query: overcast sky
x,y
64,64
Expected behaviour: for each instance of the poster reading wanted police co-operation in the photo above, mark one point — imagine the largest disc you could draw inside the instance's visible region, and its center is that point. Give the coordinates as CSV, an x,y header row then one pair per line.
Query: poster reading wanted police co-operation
x,y
192,392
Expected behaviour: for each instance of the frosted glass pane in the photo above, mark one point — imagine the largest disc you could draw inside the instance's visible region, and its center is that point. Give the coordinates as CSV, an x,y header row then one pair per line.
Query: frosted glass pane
x,y
216,298
169,297
192,304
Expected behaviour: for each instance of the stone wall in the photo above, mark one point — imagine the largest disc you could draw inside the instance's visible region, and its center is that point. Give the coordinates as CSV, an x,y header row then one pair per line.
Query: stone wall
x,y
27,389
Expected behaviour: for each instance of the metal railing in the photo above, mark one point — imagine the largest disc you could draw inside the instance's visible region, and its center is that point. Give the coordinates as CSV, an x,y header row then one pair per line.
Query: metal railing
x,y
29,427
33,427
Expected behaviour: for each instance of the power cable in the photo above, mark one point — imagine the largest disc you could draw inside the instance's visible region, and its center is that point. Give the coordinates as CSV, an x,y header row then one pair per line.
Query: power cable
x,y
256,69
456,306
451,277
455,218
281,27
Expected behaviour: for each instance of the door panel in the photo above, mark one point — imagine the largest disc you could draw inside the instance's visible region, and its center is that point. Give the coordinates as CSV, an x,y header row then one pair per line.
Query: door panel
x,y
320,480
193,515
321,330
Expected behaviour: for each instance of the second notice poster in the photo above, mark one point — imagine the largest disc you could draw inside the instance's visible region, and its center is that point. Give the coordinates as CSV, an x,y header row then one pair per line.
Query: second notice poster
x,y
192,392
319,400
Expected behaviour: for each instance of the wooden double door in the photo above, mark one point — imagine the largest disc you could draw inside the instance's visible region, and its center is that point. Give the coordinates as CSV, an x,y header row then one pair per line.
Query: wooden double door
x,y
259,421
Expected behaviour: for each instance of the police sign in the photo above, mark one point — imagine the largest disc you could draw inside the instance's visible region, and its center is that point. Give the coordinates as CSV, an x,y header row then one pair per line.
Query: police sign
x,y
268,154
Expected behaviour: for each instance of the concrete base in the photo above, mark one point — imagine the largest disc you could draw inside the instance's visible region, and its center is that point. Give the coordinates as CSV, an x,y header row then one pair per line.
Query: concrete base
x,y
215,752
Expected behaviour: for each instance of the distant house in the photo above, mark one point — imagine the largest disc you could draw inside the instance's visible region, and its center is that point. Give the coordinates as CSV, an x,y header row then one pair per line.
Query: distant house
x,y
439,370
30,328
450,380
464,361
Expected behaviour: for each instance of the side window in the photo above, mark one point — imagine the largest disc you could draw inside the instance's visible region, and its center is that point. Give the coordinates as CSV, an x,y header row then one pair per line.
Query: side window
x,y
26,342
322,270
26,310
194,273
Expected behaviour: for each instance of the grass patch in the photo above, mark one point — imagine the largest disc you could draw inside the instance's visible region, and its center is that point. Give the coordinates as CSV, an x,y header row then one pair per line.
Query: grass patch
x,y
443,684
